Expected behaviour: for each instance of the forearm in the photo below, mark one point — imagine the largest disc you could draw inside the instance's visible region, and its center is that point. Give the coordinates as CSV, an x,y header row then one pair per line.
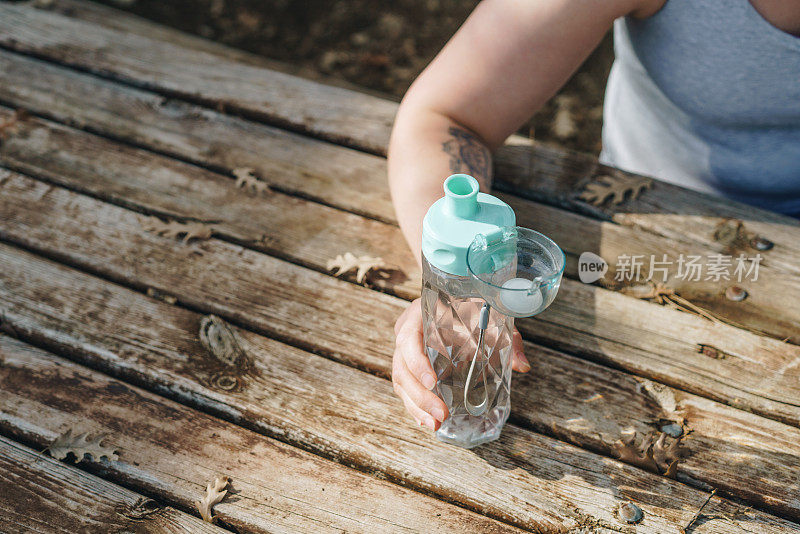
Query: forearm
x,y
426,148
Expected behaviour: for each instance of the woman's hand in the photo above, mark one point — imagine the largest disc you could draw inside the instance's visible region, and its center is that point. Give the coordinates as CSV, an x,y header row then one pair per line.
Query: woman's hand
x,y
413,376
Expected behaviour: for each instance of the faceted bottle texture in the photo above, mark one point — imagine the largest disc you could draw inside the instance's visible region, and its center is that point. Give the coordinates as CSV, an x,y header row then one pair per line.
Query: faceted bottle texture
x,y
450,312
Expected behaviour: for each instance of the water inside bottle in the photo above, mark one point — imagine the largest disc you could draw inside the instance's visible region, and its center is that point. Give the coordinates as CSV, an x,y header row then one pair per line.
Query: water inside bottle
x,y
450,322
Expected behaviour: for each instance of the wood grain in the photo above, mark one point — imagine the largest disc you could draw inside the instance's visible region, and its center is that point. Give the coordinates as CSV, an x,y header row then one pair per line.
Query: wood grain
x,y
564,340
544,173
288,162
647,339
595,404
241,87
332,175
529,480
41,495
172,452
292,228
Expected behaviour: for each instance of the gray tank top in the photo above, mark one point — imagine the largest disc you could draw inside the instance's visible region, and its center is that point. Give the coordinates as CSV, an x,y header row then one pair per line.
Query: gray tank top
x,y
706,94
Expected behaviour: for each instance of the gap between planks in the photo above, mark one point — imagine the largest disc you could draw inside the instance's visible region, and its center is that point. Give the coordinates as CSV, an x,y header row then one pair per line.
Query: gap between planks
x,y
118,214
328,419
170,451
368,122
762,308
389,242
41,494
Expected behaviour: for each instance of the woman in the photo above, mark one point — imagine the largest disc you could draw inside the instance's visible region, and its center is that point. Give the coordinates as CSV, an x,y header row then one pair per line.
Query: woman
x,y
703,93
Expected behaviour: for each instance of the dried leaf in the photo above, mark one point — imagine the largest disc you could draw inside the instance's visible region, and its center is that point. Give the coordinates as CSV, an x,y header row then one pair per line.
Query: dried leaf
x,y
657,456
667,454
246,178
215,492
614,186
672,470
9,125
641,456
563,122
363,265
81,445
191,230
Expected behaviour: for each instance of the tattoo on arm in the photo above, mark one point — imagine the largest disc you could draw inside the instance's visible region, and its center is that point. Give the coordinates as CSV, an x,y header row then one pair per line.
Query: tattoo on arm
x,y
468,155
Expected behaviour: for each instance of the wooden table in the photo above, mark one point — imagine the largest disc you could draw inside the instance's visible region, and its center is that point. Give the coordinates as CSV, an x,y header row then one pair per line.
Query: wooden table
x,y
102,318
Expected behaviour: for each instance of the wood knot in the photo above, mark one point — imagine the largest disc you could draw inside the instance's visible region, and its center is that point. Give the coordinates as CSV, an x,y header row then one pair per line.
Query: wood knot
x,y
141,509
219,340
732,234
711,352
224,381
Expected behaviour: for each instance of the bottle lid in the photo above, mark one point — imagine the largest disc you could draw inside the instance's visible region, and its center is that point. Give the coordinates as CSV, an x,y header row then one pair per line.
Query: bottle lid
x,y
455,219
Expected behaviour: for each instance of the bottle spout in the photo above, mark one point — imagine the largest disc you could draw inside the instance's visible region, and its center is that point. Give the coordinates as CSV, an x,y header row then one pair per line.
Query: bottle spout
x,y
461,195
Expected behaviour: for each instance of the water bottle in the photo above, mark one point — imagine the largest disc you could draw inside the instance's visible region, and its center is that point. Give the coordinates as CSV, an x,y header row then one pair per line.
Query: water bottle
x,y
479,272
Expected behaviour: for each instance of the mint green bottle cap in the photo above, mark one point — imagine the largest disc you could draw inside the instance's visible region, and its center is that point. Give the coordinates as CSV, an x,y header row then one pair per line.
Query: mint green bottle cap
x,y
455,219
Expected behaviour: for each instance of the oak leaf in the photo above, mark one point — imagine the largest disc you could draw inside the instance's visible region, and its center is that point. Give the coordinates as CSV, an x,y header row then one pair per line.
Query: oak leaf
x,y
655,455
190,230
344,263
246,178
81,445
640,456
614,186
215,492
10,125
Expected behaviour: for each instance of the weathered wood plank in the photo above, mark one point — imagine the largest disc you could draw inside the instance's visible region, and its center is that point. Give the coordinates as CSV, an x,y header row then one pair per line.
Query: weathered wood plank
x,y
287,226
297,165
272,96
649,339
552,175
41,495
124,21
527,479
172,452
590,416
289,162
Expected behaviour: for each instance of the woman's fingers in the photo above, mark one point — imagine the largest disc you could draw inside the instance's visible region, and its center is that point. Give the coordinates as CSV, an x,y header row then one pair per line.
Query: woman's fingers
x,y
420,416
419,395
518,360
412,373
410,344
403,317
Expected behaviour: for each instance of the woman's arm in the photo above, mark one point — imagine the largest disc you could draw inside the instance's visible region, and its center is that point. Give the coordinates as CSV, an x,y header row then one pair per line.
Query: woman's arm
x,y
505,62
502,65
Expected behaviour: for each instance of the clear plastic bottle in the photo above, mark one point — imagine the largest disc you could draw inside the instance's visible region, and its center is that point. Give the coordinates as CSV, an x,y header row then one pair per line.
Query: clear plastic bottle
x,y
479,271
450,314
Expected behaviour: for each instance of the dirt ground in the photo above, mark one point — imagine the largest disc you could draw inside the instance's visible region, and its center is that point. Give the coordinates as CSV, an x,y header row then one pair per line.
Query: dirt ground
x,y
380,46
